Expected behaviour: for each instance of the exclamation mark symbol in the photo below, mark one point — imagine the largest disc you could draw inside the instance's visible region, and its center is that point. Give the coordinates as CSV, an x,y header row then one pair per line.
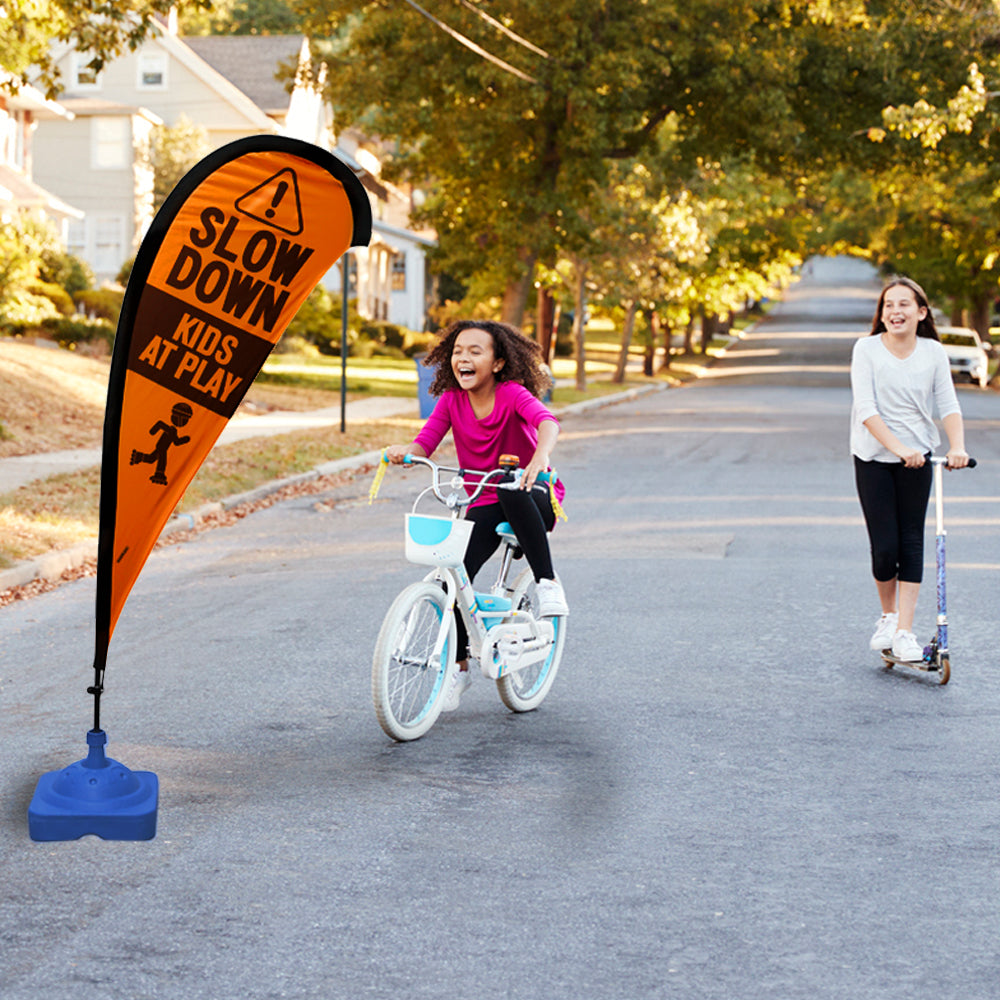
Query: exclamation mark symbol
x,y
279,193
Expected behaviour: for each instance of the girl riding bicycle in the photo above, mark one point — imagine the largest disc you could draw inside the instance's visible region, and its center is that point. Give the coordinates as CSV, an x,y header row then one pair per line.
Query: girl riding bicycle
x,y
489,379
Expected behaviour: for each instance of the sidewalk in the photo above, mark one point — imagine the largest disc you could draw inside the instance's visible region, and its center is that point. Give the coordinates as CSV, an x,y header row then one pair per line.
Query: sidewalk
x,y
15,472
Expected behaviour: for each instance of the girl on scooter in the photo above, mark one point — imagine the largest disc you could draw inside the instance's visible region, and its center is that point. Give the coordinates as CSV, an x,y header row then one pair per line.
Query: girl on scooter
x,y
899,376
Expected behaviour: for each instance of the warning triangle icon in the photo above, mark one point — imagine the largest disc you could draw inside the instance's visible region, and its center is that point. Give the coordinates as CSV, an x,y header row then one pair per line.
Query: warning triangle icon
x,y
275,203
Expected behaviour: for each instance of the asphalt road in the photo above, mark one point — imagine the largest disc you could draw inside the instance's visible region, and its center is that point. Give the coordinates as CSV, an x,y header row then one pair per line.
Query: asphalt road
x,y
725,796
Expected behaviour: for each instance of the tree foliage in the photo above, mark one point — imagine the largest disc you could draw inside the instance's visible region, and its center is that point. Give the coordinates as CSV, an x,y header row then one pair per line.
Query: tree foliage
x,y
515,165
175,150
103,29
241,17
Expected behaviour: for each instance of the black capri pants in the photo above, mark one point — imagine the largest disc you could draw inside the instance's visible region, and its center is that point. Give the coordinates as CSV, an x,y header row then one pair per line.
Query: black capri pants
x,y
531,516
894,502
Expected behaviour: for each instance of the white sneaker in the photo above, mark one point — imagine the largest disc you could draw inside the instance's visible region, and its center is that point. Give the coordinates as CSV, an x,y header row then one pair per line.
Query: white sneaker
x,y
458,684
906,647
551,599
885,629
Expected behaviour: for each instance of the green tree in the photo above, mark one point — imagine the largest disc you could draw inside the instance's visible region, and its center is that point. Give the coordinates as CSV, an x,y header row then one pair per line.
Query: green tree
x,y
26,244
175,150
514,155
939,201
650,239
241,17
104,29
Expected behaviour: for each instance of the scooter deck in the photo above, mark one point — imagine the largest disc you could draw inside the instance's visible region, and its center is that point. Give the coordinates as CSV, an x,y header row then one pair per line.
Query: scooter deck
x,y
942,669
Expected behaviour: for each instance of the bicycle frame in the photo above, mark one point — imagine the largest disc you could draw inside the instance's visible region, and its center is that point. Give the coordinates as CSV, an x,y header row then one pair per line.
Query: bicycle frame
x,y
501,637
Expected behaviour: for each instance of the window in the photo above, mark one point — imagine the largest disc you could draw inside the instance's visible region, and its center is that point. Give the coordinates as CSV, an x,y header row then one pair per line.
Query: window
x,y
109,249
82,77
76,238
99,240
152,71
12,138
398,272
111,146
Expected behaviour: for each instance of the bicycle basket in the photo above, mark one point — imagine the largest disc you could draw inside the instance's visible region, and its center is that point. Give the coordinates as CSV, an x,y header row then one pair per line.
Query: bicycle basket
x,y
436,541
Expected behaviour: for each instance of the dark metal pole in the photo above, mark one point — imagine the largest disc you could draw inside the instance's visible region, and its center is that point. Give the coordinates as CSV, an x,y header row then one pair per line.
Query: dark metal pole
x,y
345,283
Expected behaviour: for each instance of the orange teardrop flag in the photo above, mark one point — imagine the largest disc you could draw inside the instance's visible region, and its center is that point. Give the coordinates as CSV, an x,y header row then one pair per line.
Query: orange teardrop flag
x,y
235,250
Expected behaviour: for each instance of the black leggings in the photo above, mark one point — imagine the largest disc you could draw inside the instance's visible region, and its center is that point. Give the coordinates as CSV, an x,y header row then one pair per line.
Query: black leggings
x,y
531,516
894,501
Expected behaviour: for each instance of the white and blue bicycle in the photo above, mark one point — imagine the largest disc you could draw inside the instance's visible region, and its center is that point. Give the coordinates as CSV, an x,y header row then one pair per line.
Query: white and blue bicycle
x,y
416,646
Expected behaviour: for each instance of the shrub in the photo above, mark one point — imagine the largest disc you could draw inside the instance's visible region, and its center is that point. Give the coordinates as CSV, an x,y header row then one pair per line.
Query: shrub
x,y
23,309
101,303
63,269
126,272
296,345
418,343
319,321
56,294
70,332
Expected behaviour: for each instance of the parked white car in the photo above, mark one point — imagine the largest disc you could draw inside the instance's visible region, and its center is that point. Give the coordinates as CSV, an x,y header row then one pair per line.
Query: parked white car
x,y
966,353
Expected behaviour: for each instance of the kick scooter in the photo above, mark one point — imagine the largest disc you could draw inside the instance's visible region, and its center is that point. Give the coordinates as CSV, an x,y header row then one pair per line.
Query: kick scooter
x,y
935,658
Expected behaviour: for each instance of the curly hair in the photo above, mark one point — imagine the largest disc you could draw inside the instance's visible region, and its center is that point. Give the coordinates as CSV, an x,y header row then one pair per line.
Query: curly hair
x,y
522,357
926,327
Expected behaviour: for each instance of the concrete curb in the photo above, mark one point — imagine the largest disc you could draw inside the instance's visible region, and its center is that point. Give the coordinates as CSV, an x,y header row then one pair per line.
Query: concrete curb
x,y
53,564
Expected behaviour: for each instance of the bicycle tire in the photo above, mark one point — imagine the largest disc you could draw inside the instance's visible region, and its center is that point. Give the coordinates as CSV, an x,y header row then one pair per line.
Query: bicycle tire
x,y
407,690
524,690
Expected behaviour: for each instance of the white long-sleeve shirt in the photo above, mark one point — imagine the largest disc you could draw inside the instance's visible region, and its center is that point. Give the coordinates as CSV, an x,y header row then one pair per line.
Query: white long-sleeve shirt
x,y
904,392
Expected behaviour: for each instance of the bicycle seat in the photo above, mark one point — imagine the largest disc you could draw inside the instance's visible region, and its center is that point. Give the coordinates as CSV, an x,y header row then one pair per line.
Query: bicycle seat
x,y
506,532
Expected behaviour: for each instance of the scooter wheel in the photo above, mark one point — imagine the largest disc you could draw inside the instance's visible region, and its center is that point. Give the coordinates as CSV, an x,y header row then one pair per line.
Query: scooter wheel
x,y
944,671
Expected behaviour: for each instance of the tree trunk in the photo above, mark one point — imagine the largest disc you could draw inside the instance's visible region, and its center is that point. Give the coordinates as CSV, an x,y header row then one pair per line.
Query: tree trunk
x,y
979,315
667,335
545,323
629,329
515,296
689,334
709,321
579,334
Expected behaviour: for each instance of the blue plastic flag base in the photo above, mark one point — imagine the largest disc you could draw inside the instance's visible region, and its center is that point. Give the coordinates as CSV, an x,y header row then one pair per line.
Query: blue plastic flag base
x,y
95,796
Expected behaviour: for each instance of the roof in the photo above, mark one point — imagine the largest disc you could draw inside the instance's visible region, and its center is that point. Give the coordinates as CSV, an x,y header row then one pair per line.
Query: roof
x,y
84,107
18,190
250,62
27,98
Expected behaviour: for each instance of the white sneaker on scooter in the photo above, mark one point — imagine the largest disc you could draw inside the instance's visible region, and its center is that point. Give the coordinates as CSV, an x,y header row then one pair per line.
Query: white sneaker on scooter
x,y
905,647
885,629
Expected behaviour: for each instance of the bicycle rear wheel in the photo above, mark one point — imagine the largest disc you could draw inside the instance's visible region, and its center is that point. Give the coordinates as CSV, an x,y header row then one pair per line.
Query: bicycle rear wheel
x,y
407,687
524,690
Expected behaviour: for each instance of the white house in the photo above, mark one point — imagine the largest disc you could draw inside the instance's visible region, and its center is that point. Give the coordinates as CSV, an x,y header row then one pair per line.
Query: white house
x,y
20,191
390,279
100,161
229,86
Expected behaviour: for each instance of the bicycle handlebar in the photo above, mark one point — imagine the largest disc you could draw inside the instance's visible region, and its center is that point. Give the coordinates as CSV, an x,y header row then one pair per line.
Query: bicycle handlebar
x,y
454,499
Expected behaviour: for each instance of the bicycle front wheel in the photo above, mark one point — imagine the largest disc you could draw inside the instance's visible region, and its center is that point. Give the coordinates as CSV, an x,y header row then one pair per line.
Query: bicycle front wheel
x,y
524,690
407,683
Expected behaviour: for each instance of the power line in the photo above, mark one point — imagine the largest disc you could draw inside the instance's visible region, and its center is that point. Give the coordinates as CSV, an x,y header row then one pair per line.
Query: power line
x,y
502,27
469,44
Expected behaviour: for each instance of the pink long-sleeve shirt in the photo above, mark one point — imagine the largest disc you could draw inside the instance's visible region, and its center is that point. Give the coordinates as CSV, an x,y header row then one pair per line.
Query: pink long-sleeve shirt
x,y
511,428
